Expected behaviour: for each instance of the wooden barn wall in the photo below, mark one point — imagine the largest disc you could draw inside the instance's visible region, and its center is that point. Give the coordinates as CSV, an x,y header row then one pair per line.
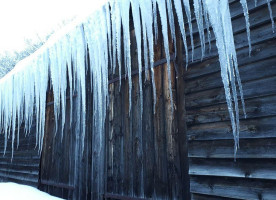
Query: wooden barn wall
x,y
144,157
213,172
147,157
24,167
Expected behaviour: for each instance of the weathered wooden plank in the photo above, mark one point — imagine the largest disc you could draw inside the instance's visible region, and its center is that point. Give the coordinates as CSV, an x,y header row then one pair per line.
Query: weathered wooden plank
x,y
174,176
19,170
58,157
242,168
18,165
255,108
138,185
110,147
24,139
252,89
170,151
181,132
208,197
128,144
20,160
137,131
18,179
254,128
148,140
20,173
24,150
211,64
160,178
249,148
248,72
90,172
117,137
234,188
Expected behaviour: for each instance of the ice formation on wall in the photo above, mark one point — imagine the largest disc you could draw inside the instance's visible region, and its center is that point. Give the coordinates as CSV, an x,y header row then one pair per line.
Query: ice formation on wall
x,y
63,61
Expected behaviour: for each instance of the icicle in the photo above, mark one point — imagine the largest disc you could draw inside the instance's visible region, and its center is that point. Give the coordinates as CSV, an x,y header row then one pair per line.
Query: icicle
x,y
207,24
127,58
147,20
155,20
108,24
116,24
221,22
114,40
256,1
137,27
55,79
199,19
69,70
246,15
13,114
179,12
78,57
188,13
171,22
145,44
271,15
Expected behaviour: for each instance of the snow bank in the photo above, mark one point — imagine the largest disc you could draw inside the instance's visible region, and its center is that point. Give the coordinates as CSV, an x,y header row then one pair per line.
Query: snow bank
x,y
14,191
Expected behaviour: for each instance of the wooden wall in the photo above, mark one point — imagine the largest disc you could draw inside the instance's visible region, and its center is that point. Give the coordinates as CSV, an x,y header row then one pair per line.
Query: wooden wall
x,y
24,167
148,157
213,172
144,155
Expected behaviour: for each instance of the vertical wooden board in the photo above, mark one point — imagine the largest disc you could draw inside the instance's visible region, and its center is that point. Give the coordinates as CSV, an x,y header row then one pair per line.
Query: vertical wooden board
x,y
128,147
148,139
168,131
65,156
122,142
77,159
160,165
174,171
137,141
56,157
89,183
117,138
136,123
110,149
181,132
46,156
120,145
76,149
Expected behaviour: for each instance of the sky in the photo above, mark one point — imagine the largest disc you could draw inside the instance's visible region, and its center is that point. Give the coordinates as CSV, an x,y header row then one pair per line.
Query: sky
x,y
31,19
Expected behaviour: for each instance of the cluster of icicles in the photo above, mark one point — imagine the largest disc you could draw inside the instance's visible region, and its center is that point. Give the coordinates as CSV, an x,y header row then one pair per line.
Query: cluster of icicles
x,y
63,60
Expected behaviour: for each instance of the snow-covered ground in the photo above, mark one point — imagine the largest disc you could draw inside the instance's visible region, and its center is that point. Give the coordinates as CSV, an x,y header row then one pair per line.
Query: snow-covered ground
x,y
14,191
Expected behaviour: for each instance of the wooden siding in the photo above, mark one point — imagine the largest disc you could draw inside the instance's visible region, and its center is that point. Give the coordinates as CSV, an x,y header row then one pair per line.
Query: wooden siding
x,y
24,167
143,156
148,157
213,172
